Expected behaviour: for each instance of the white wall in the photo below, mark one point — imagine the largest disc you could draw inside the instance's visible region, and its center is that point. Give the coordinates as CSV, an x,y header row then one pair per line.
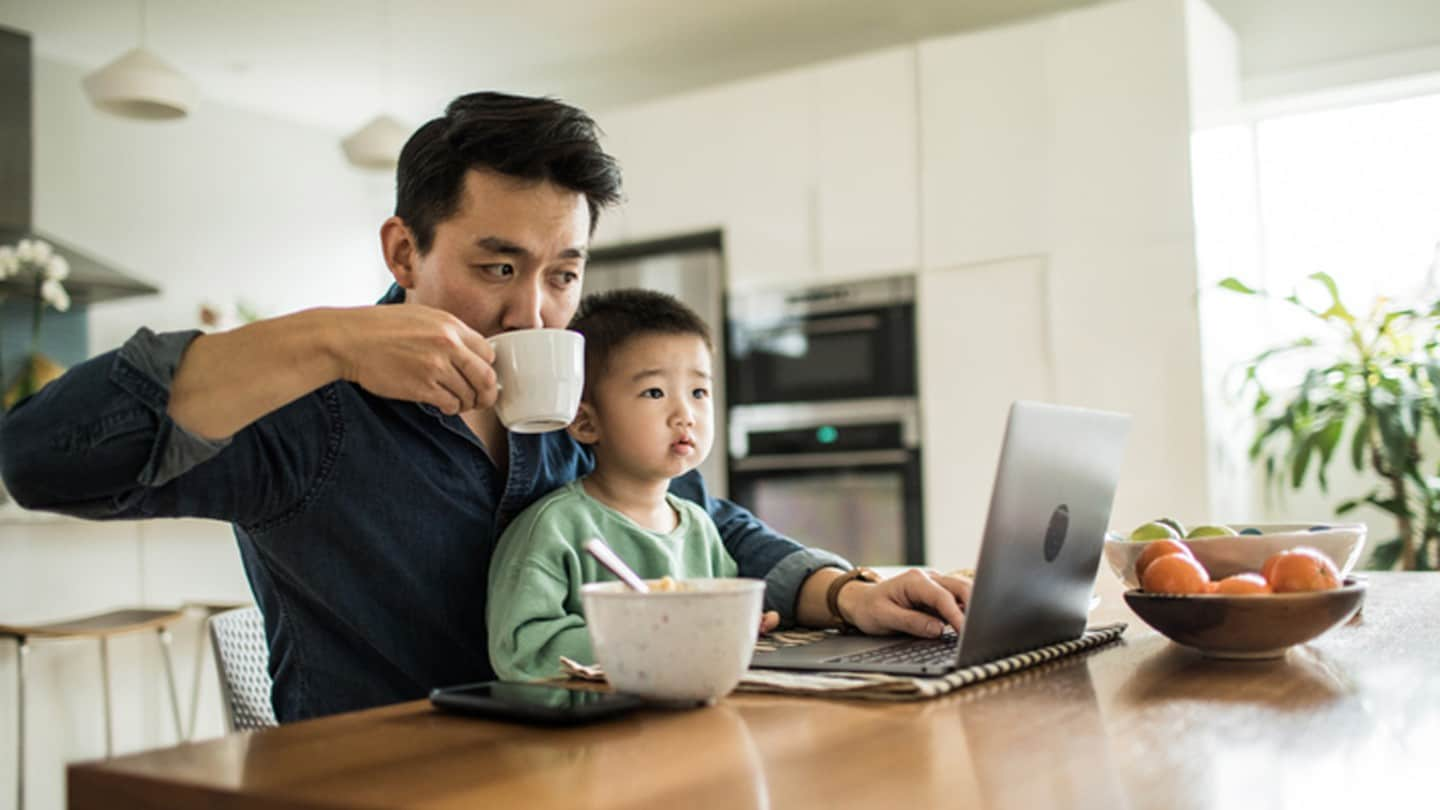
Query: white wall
x,y
1046,167
220,206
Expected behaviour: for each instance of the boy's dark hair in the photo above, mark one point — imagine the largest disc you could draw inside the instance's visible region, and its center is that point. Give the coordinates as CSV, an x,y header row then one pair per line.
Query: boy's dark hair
x,y
609,319
529,138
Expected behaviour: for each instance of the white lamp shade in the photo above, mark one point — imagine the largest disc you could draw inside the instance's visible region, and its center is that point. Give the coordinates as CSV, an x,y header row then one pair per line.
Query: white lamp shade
x,y
377,144
141,85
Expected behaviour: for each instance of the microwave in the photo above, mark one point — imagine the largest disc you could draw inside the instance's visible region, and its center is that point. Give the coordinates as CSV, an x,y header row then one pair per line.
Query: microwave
x,y
837,342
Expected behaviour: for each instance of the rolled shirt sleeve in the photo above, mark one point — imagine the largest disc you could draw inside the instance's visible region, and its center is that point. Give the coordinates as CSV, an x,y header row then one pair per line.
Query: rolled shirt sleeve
x,y
146,368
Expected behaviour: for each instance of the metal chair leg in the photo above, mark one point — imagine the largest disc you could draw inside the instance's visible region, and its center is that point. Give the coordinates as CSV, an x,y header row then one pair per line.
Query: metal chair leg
x,y
105,692
22,651
200,646
164,634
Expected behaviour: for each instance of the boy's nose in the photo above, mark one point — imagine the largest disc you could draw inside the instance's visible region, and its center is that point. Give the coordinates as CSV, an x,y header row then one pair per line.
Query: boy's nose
x,y
684,414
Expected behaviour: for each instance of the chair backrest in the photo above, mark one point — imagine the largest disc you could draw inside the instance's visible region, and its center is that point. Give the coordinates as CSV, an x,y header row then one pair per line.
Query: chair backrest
x,y
242,658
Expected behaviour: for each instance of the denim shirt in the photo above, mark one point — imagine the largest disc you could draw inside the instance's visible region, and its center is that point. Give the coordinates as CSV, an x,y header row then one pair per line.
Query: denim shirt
x,y
366,525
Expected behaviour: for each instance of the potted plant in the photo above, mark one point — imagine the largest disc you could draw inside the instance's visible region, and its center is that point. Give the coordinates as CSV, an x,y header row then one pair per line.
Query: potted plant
x,y
1368,393
34,267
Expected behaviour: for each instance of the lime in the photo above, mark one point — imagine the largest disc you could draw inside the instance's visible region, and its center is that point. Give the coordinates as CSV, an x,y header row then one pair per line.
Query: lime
x,y
1211,531
1154,530
1174,524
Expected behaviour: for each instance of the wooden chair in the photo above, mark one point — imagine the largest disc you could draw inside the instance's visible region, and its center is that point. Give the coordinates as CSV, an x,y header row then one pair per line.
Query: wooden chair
x,y
100,627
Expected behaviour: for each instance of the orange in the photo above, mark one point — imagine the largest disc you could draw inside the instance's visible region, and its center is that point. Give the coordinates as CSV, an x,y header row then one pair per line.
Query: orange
x,y
1175,573
1241,584
1154,550
1301,569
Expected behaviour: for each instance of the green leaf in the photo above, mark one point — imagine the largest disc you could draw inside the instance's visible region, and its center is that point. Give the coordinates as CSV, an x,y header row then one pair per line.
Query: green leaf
x,y
1384,556
1236,285
1346,507
1359,442
1301,460
1394,506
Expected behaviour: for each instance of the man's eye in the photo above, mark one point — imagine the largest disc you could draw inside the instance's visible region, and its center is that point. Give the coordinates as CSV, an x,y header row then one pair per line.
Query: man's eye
x,y
500,270
652,393
566,278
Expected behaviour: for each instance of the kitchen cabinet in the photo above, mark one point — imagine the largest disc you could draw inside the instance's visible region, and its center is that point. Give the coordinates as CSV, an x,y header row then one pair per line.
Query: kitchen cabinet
x,y
737,157
984,341
867,150
986,135
812,173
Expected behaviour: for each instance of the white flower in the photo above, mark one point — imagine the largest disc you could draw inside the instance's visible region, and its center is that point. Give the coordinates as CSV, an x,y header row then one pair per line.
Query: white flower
x,y
58,269
25,251
43,252
9,262
53,293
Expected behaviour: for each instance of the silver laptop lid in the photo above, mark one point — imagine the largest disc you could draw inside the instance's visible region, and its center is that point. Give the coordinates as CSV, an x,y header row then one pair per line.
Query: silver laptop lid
x,y
1045,531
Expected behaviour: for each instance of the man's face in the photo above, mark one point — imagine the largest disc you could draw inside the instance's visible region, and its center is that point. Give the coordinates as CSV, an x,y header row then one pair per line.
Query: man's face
x,y
651,408
511,257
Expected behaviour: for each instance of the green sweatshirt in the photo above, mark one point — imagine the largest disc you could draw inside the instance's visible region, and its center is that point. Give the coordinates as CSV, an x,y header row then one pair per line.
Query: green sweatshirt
x,y
533,610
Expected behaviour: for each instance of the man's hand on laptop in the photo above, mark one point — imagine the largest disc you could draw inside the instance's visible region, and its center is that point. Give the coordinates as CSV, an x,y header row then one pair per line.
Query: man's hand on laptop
x,y
918,602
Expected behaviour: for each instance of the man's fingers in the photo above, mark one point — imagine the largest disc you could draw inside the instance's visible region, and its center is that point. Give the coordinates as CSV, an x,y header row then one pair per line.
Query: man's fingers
x,y
959,586
913,622
445,399
927,592
476,342
478,376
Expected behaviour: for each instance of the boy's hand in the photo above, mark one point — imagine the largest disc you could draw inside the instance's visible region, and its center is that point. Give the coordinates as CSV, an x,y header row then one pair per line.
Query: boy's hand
x,y
769,620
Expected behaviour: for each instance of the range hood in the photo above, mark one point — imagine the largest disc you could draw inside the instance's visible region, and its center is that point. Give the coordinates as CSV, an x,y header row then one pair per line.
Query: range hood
x,y
91,279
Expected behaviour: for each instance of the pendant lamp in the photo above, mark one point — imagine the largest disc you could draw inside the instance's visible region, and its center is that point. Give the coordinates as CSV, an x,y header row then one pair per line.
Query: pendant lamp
x,y
141,85
377,144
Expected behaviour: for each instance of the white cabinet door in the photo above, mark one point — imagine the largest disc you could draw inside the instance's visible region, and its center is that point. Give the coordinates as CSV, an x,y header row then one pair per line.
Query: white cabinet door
x,y
984,341
737,157
867,145
986,135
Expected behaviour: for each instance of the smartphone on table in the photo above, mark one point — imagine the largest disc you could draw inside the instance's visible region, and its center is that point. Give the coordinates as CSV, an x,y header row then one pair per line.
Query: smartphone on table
x,y
538,703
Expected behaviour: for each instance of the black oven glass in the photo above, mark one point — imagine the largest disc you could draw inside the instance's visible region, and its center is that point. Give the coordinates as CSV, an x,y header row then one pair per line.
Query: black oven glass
x,y
846,355
826,361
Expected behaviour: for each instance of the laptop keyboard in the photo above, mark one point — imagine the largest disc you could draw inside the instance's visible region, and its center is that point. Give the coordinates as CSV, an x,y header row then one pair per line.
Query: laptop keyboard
x,y
917,652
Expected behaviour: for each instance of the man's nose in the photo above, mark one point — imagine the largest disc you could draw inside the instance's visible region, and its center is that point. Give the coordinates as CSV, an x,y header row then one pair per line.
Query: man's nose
x,y
522,308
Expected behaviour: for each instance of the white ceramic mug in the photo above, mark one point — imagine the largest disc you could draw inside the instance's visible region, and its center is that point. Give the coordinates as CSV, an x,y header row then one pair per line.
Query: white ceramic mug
x,y
541,373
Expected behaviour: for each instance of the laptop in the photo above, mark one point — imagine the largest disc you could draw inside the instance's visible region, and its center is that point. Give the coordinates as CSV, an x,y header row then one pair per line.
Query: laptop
x,y
1044,536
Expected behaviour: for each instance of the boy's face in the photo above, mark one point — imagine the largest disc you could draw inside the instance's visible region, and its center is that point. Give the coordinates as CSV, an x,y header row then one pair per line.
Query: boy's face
x,y
650,415
511,257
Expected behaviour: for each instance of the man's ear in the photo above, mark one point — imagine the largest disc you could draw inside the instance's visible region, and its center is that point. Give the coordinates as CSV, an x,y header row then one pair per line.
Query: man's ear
x,y
585,428
402,255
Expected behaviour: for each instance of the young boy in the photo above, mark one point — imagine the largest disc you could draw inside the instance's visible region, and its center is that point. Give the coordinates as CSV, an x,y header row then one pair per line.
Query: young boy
x,y
648,415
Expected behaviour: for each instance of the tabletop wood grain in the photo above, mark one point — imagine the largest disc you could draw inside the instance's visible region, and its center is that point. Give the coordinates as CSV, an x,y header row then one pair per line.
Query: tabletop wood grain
x,y
1350,720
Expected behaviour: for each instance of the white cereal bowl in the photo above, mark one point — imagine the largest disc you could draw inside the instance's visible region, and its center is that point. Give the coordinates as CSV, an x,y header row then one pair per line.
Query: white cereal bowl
x,y
690,645
1223,556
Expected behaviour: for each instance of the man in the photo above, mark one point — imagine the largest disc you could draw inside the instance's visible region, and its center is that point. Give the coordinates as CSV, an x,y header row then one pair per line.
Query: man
x,y
356,451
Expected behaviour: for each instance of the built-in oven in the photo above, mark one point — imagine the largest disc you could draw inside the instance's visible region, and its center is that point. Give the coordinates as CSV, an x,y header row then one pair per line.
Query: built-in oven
x,y
837,342
842,475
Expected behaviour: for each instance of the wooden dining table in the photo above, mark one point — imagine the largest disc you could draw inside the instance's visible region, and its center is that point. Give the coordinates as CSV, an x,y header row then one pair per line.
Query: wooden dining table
x,y
1351,719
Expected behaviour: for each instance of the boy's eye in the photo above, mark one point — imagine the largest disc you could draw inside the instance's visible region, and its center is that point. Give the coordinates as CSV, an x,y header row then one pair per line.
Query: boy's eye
x,y
700,393
652,393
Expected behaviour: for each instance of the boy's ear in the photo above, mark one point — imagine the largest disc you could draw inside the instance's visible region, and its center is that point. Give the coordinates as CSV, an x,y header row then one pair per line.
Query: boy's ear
x,y
585,428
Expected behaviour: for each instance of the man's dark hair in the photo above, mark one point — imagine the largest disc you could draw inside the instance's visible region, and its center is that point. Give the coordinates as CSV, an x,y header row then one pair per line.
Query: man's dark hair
x,y
610,319
535,139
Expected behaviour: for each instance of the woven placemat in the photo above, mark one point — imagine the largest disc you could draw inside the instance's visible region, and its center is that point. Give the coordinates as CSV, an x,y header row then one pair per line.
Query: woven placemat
x,y
880,686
